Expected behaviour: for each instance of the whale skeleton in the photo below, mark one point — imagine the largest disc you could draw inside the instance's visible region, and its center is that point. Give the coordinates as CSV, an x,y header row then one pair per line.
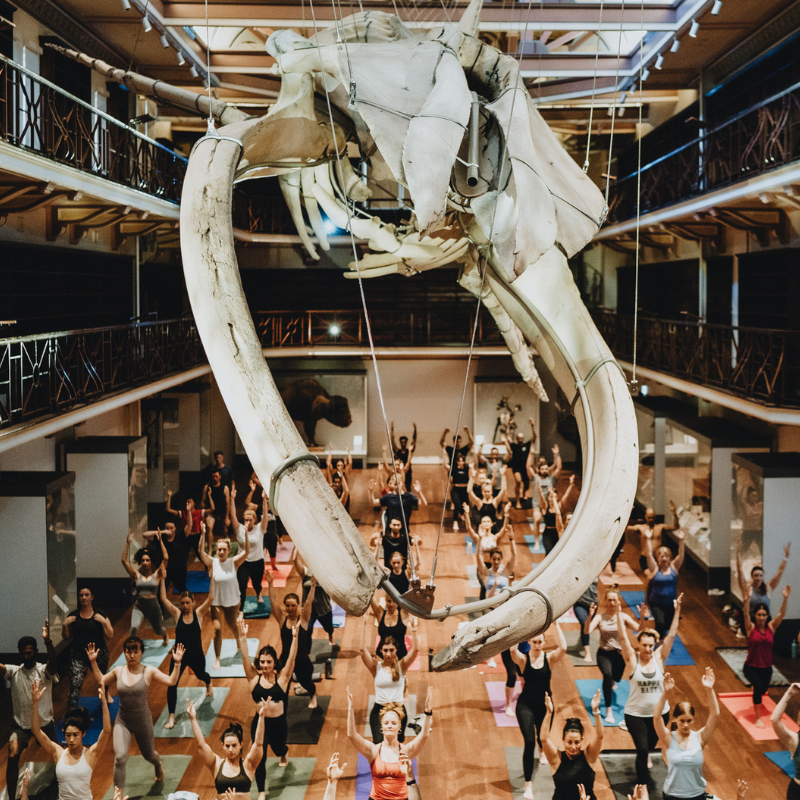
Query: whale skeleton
x,y
449,118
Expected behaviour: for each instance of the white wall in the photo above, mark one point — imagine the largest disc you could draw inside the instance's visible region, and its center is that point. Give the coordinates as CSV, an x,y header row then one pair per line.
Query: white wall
x,y
189,432
23,588
781,512
124,421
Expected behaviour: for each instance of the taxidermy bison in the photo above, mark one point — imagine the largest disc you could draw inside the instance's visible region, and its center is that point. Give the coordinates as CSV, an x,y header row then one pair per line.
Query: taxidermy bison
x,y
307,401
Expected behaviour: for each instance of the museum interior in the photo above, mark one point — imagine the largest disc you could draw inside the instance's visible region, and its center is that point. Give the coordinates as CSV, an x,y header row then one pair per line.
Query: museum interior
x,y
685,116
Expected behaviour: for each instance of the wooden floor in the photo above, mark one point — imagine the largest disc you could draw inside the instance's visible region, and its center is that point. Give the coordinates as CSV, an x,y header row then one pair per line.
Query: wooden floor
x,y
464,757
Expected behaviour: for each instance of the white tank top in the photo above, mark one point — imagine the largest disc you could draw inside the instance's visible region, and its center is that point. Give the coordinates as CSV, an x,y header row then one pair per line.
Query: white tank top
x,y
256,537
646,688
74,781
226,587
387,690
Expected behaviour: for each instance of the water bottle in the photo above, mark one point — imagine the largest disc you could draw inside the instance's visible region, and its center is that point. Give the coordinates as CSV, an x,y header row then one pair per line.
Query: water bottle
x,y
328,669
430,658
794,648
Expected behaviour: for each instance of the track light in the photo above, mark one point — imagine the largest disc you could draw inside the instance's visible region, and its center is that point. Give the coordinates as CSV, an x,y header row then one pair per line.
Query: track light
x,y
694,28
146,24
717,8
623,97
621,111
126,5
674,46
164,40
645,74
181,58
659,61
193,70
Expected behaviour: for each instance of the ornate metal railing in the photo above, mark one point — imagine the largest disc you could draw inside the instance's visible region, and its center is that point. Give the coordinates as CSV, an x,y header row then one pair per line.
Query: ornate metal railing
x,y
54,372
389,328
755,363
755,141
39,116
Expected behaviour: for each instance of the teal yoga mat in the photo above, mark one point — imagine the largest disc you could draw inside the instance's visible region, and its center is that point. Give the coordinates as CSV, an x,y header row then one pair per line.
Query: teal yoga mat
x,y
587,688
230,659
256,610
207,708
154,653
140,778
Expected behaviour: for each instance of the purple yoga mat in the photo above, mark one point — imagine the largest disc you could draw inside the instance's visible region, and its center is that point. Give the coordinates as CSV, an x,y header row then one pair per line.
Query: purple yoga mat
x,y
497,697
364,777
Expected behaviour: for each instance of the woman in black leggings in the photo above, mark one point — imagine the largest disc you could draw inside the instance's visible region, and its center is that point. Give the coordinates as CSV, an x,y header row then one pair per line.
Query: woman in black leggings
x,y
459,482
609,653
531,708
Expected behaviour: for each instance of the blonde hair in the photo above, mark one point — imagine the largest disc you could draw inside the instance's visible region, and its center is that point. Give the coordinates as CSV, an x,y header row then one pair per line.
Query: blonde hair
x,y
397,708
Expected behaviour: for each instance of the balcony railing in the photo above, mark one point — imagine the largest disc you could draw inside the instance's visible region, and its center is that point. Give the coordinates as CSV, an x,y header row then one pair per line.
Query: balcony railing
x,y
40,117
754,363
757,140
51,373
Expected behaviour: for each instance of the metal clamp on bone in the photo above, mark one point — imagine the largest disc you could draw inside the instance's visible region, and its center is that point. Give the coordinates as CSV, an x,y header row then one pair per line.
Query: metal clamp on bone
x,y
277,474
420,595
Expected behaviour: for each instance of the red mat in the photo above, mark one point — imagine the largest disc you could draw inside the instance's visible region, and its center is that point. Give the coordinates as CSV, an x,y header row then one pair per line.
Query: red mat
x,y
740,704
280,576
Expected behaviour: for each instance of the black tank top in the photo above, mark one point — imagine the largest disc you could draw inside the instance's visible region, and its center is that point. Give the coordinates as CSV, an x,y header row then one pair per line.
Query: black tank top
x,y
400,582
85,632
189,635
397,632
537,682
571,772
218,498
460,476
486,510
275,692
303,644
239,783
550,519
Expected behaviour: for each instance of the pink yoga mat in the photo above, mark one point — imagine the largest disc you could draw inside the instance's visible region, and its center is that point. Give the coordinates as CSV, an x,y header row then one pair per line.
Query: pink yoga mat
x,y
497,697
740,704
280,576
284,551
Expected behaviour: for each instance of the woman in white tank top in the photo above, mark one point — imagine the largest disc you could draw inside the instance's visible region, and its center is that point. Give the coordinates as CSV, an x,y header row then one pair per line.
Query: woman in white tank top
x,y
74,763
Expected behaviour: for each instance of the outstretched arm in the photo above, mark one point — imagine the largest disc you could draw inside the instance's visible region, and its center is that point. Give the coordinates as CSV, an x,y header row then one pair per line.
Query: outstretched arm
x,y
305,614
713,707
408,658
777,579
253,757
773,625
50,747
748,623
664,651
204,556
628,653
677,562
124,559
416,744
418,489
595,747
171,608
787,738
391,437
359,742
550,750
740,569
93,752
663,734
335,772
169,680
170,509
203,750
249,670
555,470
675,522
277,611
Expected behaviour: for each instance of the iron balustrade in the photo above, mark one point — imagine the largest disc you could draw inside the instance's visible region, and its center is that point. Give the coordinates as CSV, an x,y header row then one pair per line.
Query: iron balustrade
x,y
754,363
38,116
759,139
51,373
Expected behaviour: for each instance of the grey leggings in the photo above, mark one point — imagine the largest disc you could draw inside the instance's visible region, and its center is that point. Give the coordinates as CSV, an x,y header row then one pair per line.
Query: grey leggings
x,y
150,608
231,616
142,731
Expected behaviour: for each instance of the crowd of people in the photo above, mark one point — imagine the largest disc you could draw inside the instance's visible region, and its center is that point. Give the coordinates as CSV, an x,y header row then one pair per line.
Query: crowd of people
x,y
237,546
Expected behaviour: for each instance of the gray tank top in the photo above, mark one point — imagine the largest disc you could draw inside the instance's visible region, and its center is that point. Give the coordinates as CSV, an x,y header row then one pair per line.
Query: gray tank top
x,y
146,586
133,707
609,633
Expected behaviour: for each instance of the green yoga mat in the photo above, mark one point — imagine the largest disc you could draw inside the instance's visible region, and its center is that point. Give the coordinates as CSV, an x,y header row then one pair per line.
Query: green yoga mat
x,y
230,659
154,653
620,770
289,782
140,781
208,709
305,724
575,648
542,780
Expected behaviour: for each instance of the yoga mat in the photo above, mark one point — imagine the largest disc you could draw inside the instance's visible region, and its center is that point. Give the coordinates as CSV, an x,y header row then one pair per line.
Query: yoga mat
x,y
530,540
140,777
541,780
620,767
42,783
472,576
207,708
92,705
284,551
473,615
568,616
623,576
735,657
305,724
588,687
290,782
321,650
279,576
230,659
740,704
575,648
633,599
411,712
497,698
679,655
154,654
255,610
782,759
364,777
198,581
339,615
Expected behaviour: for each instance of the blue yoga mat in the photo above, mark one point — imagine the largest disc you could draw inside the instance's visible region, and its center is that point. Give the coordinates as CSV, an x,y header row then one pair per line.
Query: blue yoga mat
x,y
588,687
154,654
230,659
92,705
255,610
364,777
782,759
633,599
339,615
530,540
198,580
679,656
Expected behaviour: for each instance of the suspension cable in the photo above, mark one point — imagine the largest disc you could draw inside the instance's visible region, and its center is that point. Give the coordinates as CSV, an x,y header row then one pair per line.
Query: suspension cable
x,y
594,88
638,204
614,105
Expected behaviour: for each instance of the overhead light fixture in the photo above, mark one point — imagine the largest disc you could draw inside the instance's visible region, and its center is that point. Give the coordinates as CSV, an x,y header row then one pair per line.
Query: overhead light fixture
x,y
164,40
695,26
193,70
334,329
644,390
181,58
611,111
623,97
674,46
146,24
621,111
645,74
717,7
126,5
659,61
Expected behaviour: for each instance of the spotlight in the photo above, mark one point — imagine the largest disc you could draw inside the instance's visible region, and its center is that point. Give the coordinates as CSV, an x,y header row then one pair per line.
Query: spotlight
x,y
334,329
146,24
695,26
181,58
164,40
673,48
644,390
126,5
717,8
621,111
645,74
659,61
193,70
623,97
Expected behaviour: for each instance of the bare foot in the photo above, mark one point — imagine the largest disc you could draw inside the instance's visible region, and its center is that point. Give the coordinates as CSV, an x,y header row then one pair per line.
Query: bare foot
x,y
217,665
518,505
166,641
259,599
759,723
262,796
284,762
159,773
528,793
542,757
649,763
509,711
209,690
610,717
170,723
312,703
587,657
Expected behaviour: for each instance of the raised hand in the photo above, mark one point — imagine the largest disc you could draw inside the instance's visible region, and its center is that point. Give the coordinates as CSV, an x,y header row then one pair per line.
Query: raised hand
x,y
639,792
592,609
190,709
641,610
555,450
787,590
242,627
794,689
548,701
741,789
417,486
669,682
335,771
405,763
582,792
92,652
429,700
118,794
270,577
263,708
252,485
349,698
507,508
677,603
177,653
572,483
708,678
46,630
596,702
680,534
37,692
786,548
273,708
295,629
672,507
